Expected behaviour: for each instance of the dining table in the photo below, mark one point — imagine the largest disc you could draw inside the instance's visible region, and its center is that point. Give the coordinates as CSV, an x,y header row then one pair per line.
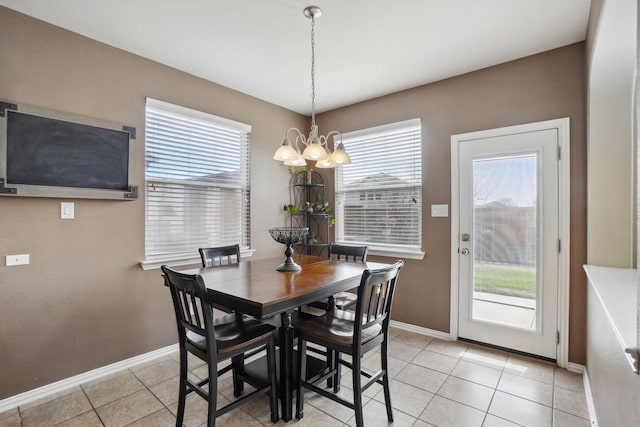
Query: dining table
x,y
254,287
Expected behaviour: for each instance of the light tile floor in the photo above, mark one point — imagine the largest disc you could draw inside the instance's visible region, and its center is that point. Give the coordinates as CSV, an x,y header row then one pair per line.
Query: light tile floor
x,y
435,383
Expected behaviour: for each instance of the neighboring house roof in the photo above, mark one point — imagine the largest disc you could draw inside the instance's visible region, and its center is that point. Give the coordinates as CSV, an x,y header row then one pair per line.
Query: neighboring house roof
x,y
381,178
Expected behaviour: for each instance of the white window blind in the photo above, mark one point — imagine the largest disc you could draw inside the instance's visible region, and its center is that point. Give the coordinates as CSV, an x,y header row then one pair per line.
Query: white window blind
x,y
379,195
197,182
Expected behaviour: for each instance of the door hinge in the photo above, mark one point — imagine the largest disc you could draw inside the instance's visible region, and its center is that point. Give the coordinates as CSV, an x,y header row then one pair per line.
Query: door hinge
x,y
559,245
557,337
559,153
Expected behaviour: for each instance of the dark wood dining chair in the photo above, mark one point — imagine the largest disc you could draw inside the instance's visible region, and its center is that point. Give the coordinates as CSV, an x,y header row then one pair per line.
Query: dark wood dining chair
x,y
342,300
220,255
213,342
355,334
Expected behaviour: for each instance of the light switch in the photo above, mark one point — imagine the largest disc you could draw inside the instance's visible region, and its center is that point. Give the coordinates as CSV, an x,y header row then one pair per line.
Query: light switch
x,y
20,259
67,210
439,210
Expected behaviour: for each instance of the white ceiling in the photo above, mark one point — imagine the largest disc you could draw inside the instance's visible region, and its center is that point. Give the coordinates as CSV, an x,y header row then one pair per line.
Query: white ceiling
x,y
364,49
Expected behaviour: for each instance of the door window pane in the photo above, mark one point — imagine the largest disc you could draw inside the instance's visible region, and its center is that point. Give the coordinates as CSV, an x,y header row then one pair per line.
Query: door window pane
x,y
505,288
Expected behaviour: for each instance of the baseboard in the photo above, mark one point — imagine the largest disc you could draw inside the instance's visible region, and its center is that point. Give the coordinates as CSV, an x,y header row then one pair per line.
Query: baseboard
x,y
76,380
580,369
576,368
589,396
420,330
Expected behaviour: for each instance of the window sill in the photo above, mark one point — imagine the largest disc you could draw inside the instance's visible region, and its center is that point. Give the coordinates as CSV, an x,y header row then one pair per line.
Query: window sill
x,y
179,260
391,252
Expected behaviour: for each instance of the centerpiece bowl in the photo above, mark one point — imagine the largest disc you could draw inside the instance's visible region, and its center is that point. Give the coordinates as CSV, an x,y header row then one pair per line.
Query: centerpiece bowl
x,y
288,236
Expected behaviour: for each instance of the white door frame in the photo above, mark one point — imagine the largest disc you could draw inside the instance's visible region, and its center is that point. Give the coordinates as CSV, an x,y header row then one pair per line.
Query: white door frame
x,y
562,125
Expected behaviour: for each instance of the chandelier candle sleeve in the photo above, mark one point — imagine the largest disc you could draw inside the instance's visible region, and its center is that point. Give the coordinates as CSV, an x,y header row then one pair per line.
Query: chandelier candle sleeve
x,y
314,147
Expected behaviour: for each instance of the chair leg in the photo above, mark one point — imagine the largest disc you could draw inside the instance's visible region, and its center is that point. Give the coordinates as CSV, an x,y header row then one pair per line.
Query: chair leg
x,y
338,369
213,394
357,389
302,375
385,381
331,363
271,368
238,367
182,396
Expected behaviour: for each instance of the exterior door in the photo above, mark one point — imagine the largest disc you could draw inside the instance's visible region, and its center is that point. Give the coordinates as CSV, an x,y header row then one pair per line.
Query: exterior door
x,y
508,243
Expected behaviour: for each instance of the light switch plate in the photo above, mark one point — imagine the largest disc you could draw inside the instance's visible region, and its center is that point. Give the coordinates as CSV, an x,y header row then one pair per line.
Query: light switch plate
x,y
20,259
439,210
67,210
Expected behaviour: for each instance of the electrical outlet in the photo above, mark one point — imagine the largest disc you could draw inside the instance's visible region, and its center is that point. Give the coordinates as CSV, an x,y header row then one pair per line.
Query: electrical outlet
x,y
20,259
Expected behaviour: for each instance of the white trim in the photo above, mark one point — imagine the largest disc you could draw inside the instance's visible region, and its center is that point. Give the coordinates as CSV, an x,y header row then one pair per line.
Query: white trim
x,y
382,129
420,330
581,369
576,368
187,259
197,115
564,229
455,232
395,254
590,404
562,125
76,380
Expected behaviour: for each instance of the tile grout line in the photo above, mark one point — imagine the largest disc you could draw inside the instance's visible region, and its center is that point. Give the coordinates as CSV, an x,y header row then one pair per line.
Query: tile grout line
x,y
93,408
493,395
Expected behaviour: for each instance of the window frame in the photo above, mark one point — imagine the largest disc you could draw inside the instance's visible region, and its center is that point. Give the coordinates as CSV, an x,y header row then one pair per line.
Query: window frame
x,y
411,251
152,261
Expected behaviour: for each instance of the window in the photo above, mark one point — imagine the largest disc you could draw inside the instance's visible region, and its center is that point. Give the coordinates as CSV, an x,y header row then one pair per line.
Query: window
x,y
197,183
379,195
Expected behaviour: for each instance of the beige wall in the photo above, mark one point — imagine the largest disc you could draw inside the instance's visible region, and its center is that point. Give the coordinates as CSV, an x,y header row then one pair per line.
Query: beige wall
x,y
84,302
541,87
614,386
611,160
612,53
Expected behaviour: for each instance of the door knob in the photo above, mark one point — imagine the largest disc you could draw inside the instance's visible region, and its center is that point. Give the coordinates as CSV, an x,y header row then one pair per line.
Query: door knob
x,y
464,251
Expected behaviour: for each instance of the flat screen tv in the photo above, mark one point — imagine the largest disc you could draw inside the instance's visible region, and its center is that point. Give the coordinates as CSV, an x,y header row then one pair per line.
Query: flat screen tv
x,y
46,153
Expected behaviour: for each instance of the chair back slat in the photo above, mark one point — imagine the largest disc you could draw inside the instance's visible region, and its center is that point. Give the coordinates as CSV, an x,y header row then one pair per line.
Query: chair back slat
x,y
218,256
193,312
375,298
349,253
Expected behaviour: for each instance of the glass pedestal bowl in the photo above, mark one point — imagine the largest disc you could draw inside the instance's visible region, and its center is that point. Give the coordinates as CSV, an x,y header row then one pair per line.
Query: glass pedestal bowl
x,y
288,236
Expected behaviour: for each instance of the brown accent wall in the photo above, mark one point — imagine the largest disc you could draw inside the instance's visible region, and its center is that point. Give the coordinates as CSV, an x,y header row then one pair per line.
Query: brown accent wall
x,y
84,302
546,86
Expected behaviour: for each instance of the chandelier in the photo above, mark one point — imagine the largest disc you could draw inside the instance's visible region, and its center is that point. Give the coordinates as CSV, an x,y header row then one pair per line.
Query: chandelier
x,y
316,147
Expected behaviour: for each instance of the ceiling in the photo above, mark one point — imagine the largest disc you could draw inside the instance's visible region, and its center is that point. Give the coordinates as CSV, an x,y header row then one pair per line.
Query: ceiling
x,y
364,49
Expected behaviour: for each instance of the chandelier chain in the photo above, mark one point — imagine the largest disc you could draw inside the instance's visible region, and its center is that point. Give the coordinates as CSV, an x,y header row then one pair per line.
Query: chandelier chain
x,y
316,147
313,73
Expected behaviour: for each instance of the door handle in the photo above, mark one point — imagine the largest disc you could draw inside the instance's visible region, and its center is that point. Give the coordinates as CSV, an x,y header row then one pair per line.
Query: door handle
x,y
464,251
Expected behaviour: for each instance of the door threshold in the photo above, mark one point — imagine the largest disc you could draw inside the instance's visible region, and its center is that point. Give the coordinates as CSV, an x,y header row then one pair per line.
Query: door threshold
x,y
509,350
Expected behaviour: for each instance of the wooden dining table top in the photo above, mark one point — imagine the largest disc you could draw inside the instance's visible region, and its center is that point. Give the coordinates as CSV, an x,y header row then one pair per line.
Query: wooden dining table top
x,y
256,288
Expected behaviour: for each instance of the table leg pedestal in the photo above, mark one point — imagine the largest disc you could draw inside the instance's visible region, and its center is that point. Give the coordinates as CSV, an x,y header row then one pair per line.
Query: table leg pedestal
x,y
286,365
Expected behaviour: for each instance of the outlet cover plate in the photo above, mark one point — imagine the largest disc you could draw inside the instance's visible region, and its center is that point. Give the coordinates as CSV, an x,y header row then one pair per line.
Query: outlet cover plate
x,y
20,259
439,210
